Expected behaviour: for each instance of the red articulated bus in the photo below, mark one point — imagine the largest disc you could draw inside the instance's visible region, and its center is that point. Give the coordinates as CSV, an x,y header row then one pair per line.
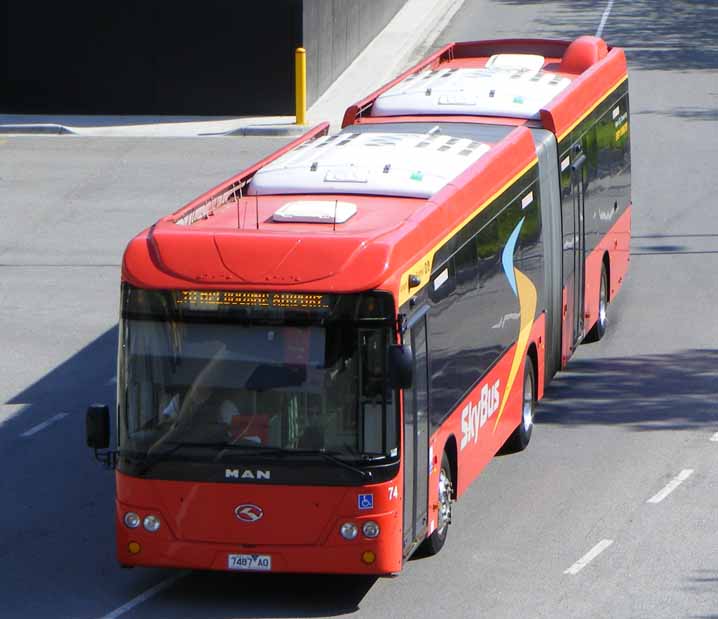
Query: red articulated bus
x,y
322,353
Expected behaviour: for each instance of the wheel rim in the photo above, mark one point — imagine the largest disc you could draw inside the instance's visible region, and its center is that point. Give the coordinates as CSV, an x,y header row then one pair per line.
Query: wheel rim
x,y
603,304
444,501
528,408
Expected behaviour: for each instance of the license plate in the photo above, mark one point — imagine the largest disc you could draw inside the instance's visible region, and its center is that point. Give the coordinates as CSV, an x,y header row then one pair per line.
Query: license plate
x,y
255,563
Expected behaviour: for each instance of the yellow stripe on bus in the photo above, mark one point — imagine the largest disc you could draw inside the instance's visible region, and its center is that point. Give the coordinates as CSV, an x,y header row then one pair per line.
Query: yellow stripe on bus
x,y
422,268
528,297
592,108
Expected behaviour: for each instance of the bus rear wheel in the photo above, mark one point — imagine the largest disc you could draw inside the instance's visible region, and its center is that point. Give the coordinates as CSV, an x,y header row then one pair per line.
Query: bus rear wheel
x,y
435,542
599,329
519,440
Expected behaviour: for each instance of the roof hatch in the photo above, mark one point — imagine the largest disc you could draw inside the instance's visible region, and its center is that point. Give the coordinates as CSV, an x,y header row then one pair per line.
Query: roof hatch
x,y
315,211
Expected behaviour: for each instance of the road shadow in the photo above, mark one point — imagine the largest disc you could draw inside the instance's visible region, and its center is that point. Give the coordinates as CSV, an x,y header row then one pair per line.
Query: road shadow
x,y
58,530
670,35
685,113
703,582
219,595
80,380
675,391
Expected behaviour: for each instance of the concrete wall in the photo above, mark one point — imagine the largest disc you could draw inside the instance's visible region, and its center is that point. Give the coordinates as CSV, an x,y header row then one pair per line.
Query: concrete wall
x,y
214,57
335,32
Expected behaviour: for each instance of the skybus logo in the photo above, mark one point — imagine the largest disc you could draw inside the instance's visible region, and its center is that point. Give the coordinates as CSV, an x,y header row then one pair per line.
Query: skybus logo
x,y
475,416
246,474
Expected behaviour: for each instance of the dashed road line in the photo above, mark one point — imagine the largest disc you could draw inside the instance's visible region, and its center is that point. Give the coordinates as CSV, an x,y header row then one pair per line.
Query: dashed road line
x,y
714,438
143,597
604,18
588,557
671,486
41,426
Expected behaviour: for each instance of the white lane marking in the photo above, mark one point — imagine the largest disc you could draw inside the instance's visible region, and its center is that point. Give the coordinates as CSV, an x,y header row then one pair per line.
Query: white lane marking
x,y
588,557
714,438
143,597
41,426
671,486
604,18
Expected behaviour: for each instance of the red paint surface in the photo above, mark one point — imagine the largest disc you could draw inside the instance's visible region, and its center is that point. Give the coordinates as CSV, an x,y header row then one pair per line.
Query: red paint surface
x,y
299,528
616,245
385,238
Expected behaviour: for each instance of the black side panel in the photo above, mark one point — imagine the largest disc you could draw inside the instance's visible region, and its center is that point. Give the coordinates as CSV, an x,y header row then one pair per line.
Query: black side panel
x,y
475,312
604,139
547,153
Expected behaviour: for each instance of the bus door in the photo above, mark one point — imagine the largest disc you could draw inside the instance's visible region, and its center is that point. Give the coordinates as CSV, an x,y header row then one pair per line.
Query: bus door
x,y
416,439
573,224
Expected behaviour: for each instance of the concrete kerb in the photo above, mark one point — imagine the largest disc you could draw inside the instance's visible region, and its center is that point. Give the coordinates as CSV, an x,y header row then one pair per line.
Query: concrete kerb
x,y
40,128
267,130
277,130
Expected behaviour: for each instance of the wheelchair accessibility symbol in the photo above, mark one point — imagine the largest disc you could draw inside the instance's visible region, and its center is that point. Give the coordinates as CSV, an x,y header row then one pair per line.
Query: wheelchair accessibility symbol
x,y
366,501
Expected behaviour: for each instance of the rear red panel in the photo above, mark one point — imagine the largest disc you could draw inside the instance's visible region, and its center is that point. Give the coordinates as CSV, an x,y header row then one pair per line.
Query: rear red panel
x,y
616,244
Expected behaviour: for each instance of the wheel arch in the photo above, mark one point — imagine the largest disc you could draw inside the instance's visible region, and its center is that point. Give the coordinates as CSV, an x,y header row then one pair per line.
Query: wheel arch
x,y
606,261
532,353
451,452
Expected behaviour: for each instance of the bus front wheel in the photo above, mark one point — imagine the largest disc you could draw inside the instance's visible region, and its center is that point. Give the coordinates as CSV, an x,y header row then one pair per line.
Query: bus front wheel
x,y
435,542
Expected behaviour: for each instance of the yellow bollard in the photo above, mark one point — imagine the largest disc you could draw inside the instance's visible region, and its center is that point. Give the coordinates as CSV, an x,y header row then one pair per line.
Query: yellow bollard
x,y
300,85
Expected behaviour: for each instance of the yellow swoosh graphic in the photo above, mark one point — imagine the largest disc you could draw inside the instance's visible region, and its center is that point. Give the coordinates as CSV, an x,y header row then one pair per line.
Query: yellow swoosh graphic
x,y
527,307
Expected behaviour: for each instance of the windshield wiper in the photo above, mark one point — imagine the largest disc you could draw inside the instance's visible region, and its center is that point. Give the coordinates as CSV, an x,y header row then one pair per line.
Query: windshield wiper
x,y
343,463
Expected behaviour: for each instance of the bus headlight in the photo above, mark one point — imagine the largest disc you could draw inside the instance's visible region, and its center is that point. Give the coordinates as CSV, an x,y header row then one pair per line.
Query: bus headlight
x,y
349,530
370,529
131,520
151,523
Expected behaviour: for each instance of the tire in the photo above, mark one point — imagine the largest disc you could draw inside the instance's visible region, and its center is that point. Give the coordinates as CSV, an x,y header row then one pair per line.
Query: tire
x,y
435,542
519,439
599,329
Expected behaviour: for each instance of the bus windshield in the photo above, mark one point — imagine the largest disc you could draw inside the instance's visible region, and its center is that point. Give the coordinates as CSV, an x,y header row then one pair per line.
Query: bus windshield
x,y
261,387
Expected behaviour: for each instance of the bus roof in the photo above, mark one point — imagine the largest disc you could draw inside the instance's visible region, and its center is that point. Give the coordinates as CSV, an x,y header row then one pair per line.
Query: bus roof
x,y
531,81
513,85
410,165
288,223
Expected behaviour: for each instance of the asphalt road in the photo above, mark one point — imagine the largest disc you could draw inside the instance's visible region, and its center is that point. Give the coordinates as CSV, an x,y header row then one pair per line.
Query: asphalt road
x,y
633,413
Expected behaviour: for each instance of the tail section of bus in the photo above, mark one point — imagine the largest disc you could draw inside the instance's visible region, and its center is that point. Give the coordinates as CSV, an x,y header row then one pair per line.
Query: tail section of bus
x,y
576,90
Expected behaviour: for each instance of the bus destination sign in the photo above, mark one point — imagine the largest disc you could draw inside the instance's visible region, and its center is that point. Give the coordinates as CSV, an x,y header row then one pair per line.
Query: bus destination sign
x,y
216,299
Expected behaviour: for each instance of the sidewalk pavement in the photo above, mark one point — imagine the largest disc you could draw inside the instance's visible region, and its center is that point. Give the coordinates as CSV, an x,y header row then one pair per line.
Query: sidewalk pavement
x,y
403,41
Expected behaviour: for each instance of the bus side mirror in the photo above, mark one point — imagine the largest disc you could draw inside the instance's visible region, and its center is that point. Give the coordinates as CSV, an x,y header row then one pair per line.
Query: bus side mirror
x,y
401,366
97,426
